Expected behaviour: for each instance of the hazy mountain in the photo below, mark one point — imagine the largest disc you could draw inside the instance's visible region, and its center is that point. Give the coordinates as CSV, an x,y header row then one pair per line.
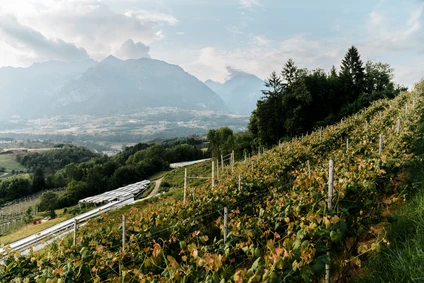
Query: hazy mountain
x,y
106,87
122,86
29,91
240,92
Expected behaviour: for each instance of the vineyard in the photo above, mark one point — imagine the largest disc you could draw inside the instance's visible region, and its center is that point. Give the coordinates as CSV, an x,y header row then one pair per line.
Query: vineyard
x,y
282,226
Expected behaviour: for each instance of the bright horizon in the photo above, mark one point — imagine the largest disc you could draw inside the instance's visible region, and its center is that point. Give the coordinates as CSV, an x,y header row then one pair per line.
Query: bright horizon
x,y
205,37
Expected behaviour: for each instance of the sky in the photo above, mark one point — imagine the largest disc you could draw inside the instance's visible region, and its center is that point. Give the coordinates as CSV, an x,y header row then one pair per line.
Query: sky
x,y
205,37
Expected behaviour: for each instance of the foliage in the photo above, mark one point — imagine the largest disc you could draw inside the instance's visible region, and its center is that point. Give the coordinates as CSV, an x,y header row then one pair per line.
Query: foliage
x,y
302,100
279,227
52,160
13,188
48,201
38,181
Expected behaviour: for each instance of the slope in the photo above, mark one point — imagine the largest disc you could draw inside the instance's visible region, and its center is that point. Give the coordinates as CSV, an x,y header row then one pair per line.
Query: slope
x,y
279,226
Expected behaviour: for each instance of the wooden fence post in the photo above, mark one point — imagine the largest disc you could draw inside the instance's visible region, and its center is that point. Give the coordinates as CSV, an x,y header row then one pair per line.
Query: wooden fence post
x,y
213,174
347,144
239,183
185,184
124,223
225,224
329,206
380,147
75,232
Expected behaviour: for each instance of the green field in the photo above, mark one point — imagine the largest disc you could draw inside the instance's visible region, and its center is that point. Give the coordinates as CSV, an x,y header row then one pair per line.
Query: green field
x,y
8,161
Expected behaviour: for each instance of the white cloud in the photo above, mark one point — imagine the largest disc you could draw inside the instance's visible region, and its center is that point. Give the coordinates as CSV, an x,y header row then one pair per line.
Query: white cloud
x,y
260,40
386,35
211,63
249,4
131,50
149,16
234,30
29,44
90,24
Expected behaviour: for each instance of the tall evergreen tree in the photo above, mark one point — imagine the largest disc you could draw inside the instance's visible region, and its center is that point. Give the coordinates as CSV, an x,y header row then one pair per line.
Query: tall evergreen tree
x,y
352,74
38,181
289,72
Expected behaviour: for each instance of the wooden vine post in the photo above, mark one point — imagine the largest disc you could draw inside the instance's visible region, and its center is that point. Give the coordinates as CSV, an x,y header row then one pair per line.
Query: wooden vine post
x,y
217,169
124,223
185,185
225,224
329,206
75,232
213,173
398,125
380,147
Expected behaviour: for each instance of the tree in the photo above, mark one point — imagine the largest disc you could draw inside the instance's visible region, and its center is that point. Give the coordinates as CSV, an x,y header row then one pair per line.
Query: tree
x,y
378,77
220,141
289,72
48,201
28,215
267,119
76,190
352,74
38,181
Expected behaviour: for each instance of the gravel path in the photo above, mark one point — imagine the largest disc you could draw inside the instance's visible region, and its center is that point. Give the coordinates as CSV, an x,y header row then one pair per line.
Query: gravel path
x,y
156,189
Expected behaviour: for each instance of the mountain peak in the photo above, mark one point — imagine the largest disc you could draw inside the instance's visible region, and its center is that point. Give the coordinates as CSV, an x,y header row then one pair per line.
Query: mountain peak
x,y
111,59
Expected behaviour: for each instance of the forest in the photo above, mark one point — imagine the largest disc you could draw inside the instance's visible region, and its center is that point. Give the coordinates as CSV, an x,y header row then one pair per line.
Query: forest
x,y
85,173
297,101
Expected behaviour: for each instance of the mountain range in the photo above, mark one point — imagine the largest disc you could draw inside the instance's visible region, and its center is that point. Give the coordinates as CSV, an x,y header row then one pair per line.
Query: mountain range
x,y
114,86
240,92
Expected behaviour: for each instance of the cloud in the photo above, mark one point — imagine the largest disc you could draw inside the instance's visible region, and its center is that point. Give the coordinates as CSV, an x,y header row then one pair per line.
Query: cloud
x,y
149,16
212,63
234,72
249,4
260,40
37,46
385,34
131,50
92,25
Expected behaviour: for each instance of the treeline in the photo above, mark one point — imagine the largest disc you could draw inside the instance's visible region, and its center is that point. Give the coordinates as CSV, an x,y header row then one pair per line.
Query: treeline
x,y
132,165
99,173
52,160
299,100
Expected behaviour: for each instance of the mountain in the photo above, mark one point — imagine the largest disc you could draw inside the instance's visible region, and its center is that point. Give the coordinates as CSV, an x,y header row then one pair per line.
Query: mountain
x,y
122,86
240,93
28,91
107,87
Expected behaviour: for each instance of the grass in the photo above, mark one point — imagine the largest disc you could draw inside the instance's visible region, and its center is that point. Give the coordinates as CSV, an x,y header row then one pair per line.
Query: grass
x,y
8,161
402,260
30,229
175,178
158,175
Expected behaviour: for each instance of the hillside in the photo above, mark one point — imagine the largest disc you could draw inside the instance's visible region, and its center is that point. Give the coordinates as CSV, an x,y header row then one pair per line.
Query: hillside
x,y
112,86
279,225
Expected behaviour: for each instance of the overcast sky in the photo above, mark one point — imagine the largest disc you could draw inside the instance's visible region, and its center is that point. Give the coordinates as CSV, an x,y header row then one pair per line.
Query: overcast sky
x,y
206,36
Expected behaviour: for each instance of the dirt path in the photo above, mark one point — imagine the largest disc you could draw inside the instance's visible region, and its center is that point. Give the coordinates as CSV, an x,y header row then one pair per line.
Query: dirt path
x,y
156,189
4,175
